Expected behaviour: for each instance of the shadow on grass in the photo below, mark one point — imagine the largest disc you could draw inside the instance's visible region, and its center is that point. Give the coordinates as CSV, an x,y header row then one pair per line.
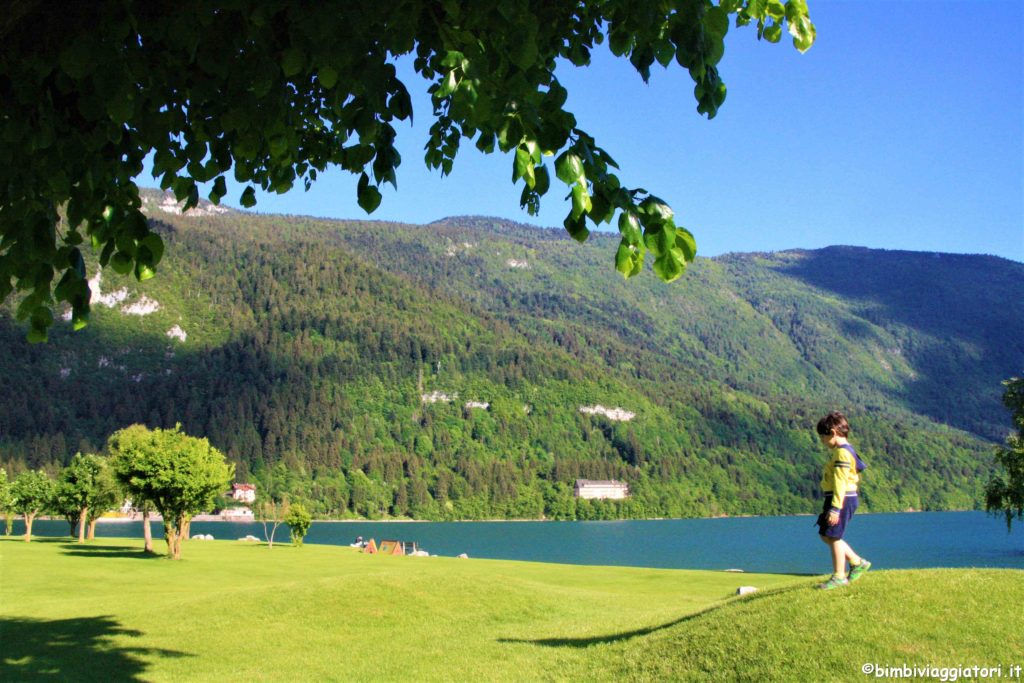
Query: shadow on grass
x,y
86,550
628,635
80,649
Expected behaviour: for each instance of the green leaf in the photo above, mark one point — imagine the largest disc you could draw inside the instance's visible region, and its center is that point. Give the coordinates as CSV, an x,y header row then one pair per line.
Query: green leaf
x,y
62,292
629,228
292,62
367,195
629,259
660,240
328,77
447,86
601,210
78,263
775,9
77,59
716,21
278,146
620,41
577,228
248,199
400,104
569,168
143,272
452,59
581,203
524,50
667,267
120,108
219,190
542,181
773,33
664,52
656,209
686,243
108,250
121,263
155,245
800,26
523,166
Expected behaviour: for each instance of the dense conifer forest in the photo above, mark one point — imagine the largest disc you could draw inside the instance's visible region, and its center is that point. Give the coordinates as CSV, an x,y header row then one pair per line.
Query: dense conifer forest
x,y
438,372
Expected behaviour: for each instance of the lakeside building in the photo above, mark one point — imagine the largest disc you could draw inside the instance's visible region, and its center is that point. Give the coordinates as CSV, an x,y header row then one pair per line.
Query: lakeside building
x,y
601,489
245,493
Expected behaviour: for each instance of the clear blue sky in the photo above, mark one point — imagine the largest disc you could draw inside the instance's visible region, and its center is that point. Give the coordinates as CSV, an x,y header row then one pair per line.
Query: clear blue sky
x,y
902,128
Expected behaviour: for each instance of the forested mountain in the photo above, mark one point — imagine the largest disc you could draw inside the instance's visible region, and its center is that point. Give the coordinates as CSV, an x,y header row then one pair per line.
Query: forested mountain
x,y
471,368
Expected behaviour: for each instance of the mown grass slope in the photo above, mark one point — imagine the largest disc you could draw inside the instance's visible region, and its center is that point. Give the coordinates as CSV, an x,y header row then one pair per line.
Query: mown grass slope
x,y
232,611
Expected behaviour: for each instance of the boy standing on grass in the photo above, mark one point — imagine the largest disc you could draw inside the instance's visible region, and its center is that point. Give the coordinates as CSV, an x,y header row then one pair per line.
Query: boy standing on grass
x,y
839,484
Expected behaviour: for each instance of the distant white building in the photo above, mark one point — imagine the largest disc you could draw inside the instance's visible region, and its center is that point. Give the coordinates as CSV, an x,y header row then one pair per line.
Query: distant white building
x,y
601,488
245,493
238,514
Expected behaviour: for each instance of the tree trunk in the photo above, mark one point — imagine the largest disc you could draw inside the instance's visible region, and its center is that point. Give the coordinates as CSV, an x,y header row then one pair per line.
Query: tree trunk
x,y
82,515
8,523
176,534
268,536
147,533
92,529
186,530
28,526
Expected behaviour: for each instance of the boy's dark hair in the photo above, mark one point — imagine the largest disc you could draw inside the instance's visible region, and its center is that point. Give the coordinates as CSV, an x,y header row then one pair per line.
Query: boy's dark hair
x,y
834,421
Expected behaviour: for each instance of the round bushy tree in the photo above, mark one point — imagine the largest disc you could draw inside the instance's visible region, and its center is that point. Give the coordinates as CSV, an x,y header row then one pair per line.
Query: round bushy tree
x,y
32,493
179,474
298,520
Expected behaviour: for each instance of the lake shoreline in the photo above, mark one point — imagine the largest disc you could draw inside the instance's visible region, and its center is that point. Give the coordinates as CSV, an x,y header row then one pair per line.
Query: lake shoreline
x,y
218,518
780,544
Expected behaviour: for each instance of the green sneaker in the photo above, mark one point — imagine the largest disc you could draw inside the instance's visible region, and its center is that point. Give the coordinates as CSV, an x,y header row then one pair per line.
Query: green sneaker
x,y
858,570
834,582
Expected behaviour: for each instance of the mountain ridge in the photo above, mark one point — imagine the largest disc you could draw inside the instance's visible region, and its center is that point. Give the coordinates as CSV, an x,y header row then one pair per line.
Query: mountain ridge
x,y
309,345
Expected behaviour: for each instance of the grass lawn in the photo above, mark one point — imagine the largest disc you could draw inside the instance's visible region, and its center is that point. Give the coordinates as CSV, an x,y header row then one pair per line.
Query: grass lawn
x,y
231,611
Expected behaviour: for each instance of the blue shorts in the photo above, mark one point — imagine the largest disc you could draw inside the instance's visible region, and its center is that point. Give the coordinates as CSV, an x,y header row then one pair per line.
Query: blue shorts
x,y
845,514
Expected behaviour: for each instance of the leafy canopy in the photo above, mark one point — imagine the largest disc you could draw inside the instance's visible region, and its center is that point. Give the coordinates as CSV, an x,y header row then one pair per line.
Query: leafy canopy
x,y
1005,491
275,92
86,488
298,520
179,474
32,492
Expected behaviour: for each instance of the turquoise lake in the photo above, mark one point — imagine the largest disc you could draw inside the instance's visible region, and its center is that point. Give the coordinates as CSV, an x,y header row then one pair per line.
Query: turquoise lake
x,y
767,544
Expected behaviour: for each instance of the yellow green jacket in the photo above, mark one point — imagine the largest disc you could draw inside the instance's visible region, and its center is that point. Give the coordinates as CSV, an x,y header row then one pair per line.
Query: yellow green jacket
x,y
840,476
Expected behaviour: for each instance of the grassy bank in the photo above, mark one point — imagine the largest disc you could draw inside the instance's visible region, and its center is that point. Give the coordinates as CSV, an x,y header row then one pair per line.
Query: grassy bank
x,y
105,611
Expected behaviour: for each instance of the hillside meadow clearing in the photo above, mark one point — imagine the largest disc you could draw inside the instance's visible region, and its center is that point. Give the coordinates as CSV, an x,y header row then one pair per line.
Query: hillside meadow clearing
x,y
229,610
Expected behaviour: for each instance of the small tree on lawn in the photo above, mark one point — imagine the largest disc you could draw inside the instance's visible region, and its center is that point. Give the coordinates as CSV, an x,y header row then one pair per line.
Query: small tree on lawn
x,y
107,495
32,493
271,512
65,504
298,520
86,489
180,474
1005,491
6,501
126,447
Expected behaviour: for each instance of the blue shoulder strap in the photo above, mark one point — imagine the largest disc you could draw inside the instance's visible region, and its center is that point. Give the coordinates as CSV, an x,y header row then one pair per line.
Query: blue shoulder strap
x,y
861,466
